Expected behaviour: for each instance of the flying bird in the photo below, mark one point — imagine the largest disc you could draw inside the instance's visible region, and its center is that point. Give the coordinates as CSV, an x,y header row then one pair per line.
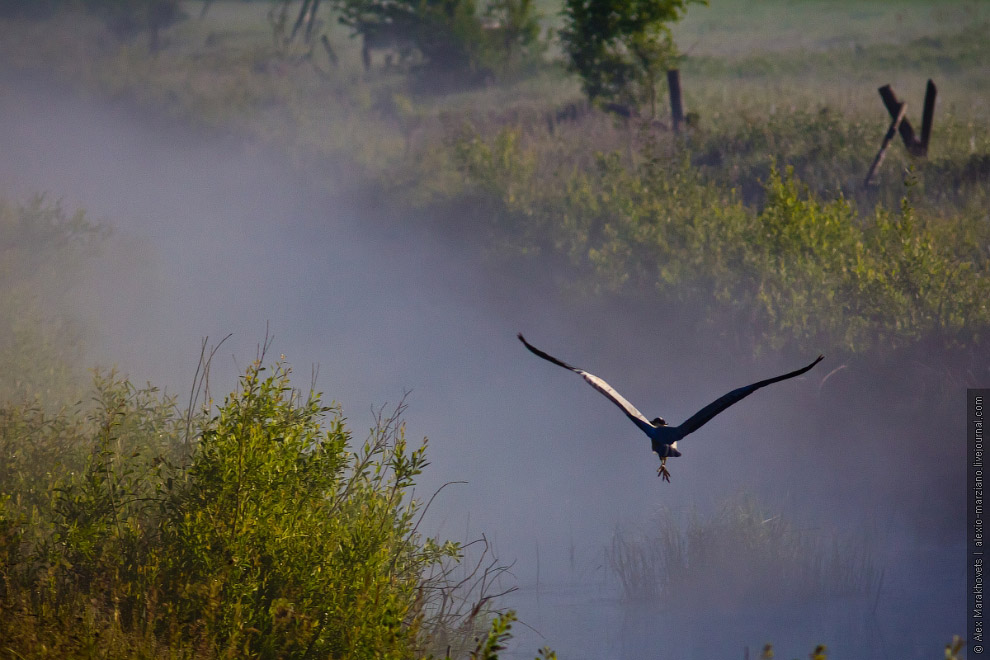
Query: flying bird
x,y
664,438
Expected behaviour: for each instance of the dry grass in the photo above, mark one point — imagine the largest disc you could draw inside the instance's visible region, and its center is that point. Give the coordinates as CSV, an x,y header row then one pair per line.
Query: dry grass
x,y
740,554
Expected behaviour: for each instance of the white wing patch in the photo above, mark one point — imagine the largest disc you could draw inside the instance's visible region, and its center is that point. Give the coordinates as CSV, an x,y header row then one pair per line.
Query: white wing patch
x,y
616,398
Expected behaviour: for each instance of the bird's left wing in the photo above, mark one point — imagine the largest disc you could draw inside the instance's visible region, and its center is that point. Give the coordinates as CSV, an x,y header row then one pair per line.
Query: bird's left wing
x,y
629,409
697,420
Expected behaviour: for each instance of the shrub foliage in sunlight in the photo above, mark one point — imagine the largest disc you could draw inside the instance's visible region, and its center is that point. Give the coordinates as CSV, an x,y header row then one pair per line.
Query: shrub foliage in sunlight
x,y
621,48
255,531
799,271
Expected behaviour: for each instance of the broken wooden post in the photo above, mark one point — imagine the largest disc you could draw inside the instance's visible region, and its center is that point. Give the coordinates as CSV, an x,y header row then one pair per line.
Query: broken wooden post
x,y
676,109
331,54
893,105
929,116
312,21
897,122
302,18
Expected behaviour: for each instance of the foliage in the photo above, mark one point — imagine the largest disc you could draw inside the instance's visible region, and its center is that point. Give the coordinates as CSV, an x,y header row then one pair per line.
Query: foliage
x,y
636,211
451,36
78,508
498,636
799,272
620,48
953,648
712,220
495,641
42,249
514,26
264,535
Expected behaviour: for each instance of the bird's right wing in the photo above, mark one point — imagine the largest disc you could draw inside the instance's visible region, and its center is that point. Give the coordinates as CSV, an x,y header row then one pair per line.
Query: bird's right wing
x,y
715,407
629,409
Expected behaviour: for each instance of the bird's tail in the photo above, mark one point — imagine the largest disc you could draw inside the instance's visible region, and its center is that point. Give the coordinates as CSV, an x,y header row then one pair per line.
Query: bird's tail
x,y
664,451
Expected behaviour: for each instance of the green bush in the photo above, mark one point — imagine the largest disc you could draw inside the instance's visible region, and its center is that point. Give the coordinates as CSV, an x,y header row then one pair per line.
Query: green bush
x,y
453,37
263,534
621,48
42,251
798,273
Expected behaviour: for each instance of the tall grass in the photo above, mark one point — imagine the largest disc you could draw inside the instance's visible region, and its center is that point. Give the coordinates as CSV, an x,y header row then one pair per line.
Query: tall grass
x,y
743,554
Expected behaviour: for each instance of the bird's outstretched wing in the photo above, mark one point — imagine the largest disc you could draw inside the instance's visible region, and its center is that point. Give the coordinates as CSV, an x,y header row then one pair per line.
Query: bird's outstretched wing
x,y
629,409
697,420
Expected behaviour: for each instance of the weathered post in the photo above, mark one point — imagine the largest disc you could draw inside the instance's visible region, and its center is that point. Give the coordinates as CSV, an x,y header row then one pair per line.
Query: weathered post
x,y
891,132
307,7
331,54
893,105
676,109
312,21
929,116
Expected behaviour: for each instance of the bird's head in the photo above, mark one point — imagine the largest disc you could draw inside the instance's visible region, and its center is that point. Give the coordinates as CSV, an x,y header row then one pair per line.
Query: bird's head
x,y
659,421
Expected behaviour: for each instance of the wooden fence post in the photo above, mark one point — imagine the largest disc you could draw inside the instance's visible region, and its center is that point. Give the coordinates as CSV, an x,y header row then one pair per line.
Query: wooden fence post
x,y
676,109
893,105
897,122
929,116
304,11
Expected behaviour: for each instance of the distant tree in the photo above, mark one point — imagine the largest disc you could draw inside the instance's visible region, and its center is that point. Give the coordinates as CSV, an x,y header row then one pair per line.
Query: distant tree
x,y
514,27
621,48
448,35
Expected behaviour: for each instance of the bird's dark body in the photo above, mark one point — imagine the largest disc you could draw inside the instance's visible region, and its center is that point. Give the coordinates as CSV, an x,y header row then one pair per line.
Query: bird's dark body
x,y
664,438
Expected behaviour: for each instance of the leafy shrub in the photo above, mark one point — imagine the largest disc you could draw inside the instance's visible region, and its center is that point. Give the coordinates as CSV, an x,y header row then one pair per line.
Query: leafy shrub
x,y
262,535
620,48
825,149
42,249
451,36
799,272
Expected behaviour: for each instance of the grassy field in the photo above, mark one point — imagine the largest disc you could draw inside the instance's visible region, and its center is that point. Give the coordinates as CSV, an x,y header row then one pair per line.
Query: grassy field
x,y
754,225
737,28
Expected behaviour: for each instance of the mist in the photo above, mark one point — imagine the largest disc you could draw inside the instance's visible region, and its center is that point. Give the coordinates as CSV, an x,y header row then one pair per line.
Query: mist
x,y
214,236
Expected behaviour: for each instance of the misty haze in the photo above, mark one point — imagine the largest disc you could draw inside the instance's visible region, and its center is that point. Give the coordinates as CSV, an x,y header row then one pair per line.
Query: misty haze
x,y
390,228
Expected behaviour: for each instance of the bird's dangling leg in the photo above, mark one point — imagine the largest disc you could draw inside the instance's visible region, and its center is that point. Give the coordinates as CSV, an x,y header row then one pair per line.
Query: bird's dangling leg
x,y
663,471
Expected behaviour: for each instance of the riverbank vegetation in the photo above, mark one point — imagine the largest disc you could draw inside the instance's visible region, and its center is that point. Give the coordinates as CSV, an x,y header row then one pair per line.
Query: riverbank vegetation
x,y
757,210
133,528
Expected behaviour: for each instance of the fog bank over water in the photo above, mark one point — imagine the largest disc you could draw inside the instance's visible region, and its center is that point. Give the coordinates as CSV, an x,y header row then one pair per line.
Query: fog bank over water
x,y
213,236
